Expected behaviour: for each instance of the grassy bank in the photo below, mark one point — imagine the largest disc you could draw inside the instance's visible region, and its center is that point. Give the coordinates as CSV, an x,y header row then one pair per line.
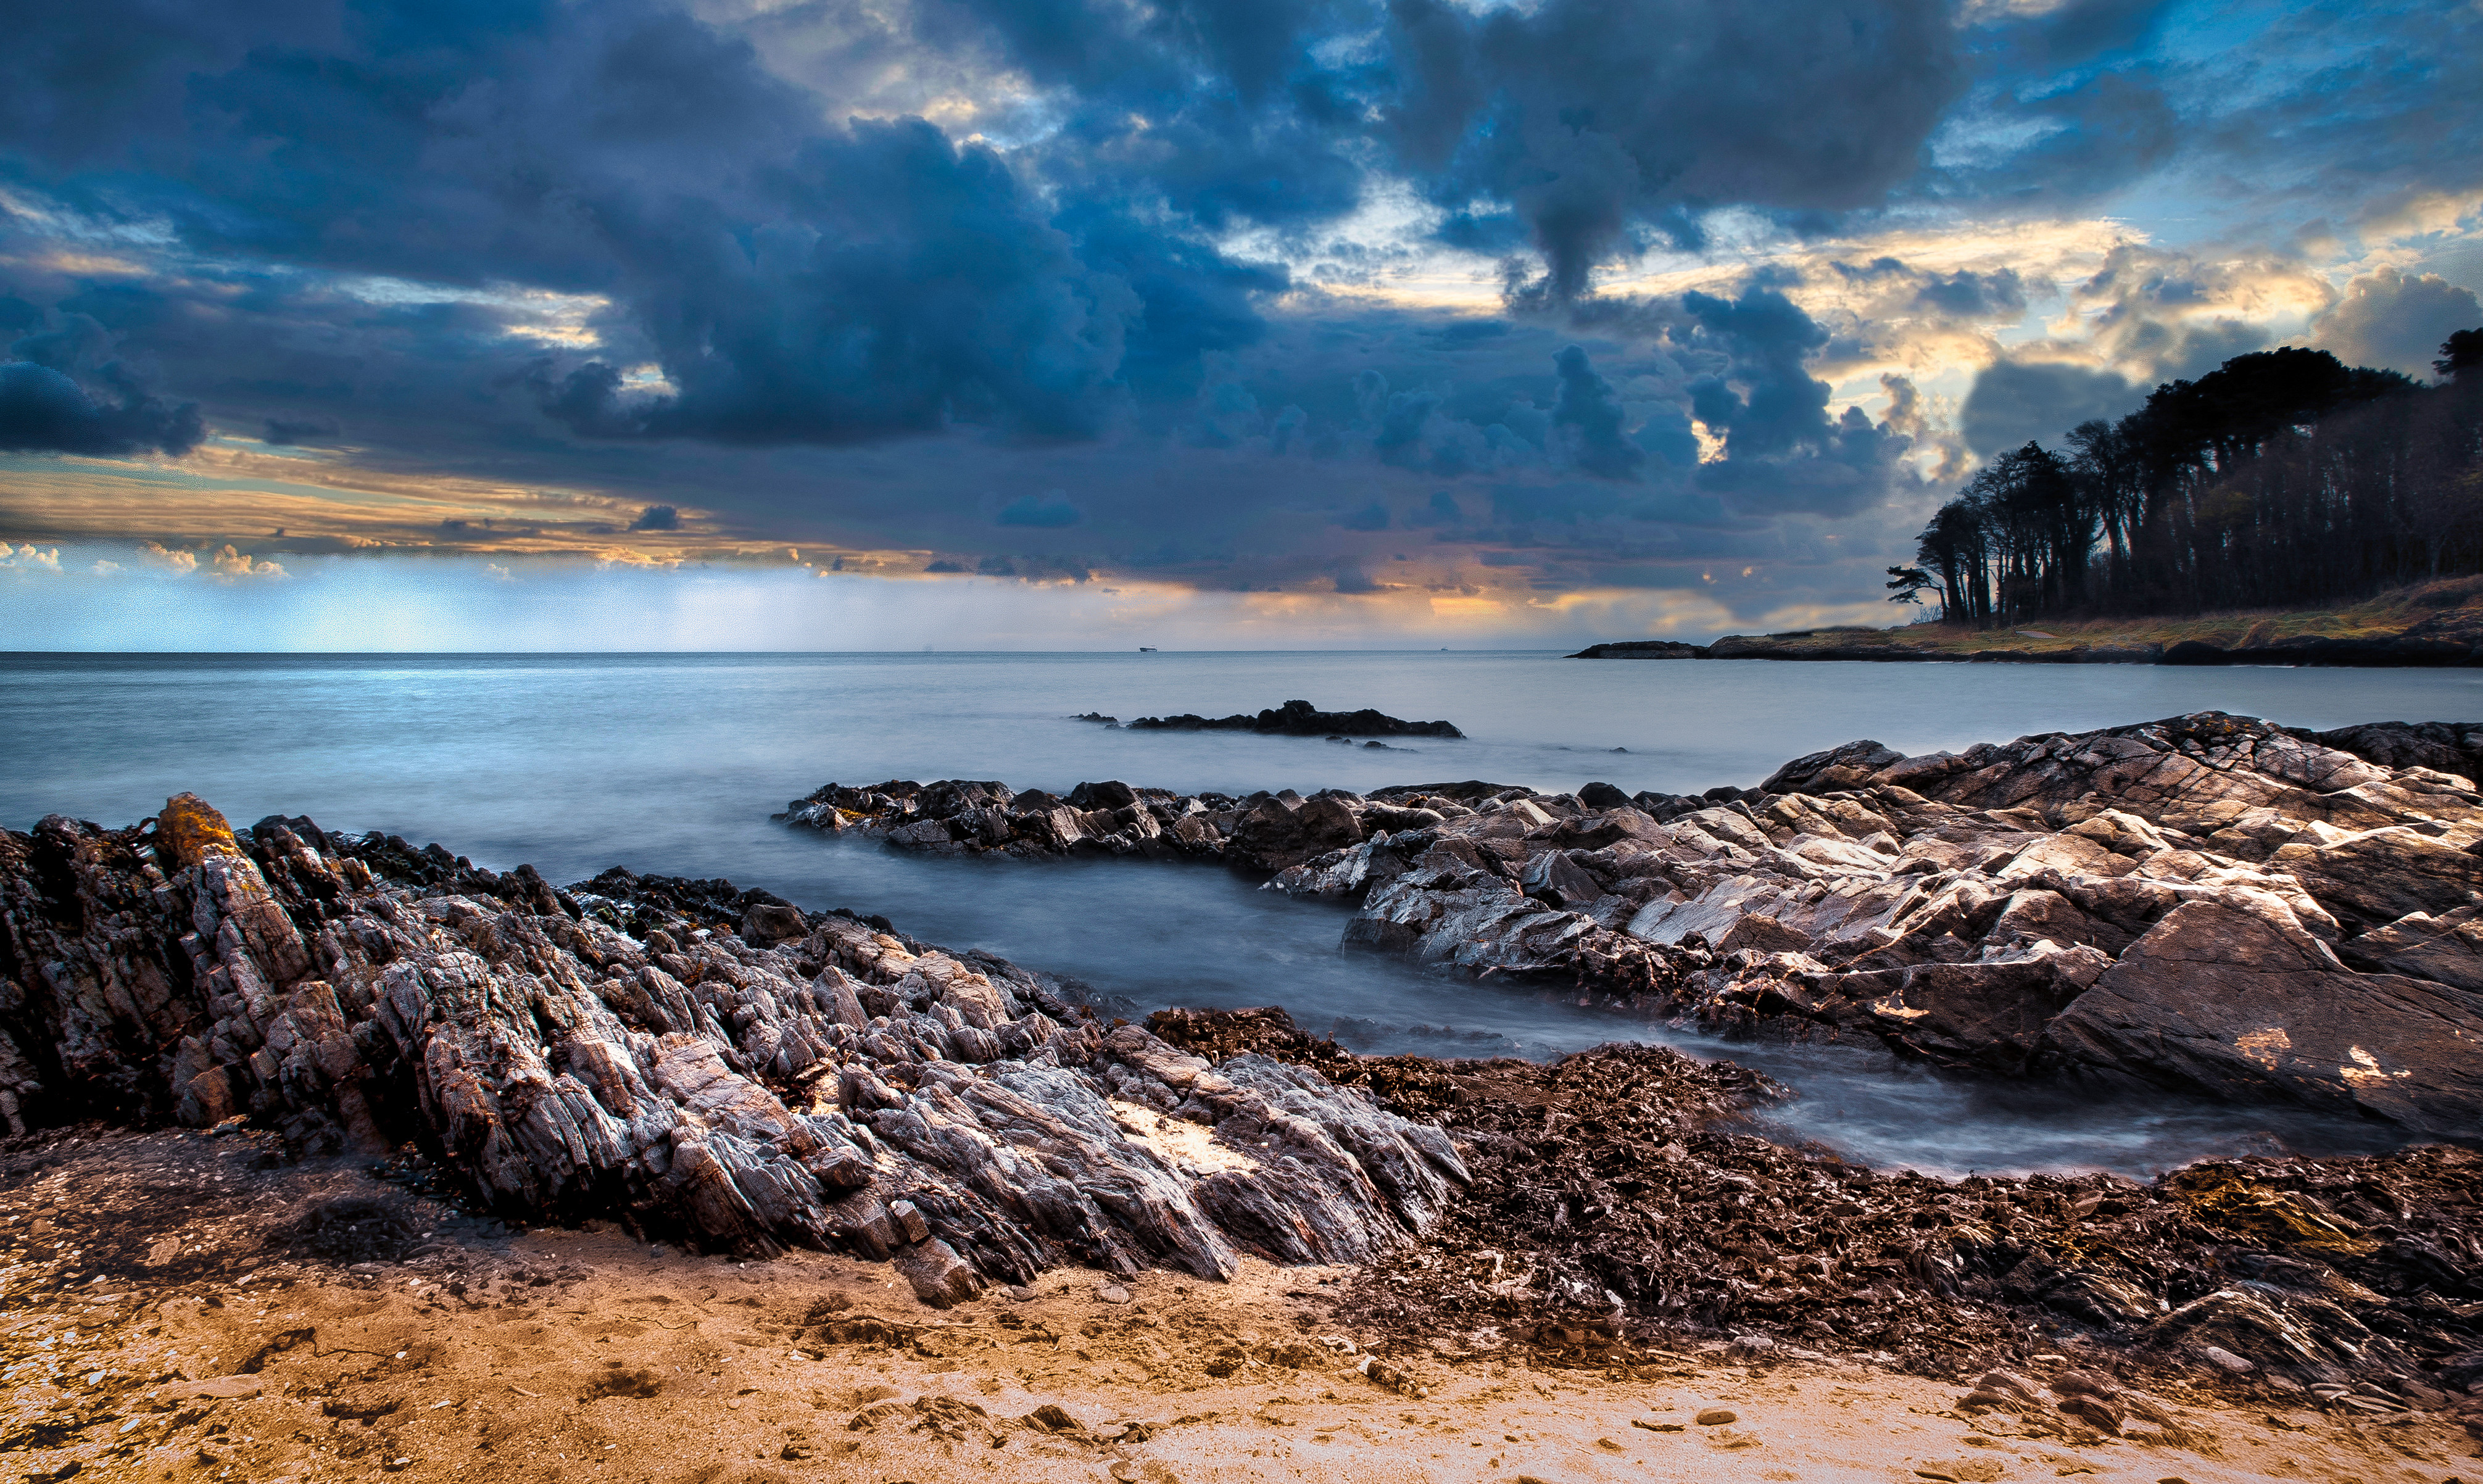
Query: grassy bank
x,y
2383,616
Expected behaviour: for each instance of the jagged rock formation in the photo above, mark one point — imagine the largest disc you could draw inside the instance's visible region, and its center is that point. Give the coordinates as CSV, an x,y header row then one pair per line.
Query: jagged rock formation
x,y
1300,719
2208,902
629,1047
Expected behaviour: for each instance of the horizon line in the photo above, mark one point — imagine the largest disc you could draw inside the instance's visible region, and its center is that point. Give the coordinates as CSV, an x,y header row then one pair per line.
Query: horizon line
x,y
695,653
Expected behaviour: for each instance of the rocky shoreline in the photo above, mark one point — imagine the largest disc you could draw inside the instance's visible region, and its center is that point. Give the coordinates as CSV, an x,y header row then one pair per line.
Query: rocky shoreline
x,y
721,1068
2207,903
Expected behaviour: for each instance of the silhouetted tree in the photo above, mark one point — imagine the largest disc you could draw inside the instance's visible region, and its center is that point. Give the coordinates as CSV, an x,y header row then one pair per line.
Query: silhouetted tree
x,y
2461,355
1907,585
2281,477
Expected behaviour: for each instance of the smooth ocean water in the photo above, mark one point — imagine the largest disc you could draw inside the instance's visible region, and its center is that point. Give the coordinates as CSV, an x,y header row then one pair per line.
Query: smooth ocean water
x,y
672,763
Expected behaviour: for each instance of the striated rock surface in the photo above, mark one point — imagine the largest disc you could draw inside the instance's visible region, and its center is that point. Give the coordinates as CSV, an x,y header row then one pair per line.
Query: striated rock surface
x,y
2206,902
699,1062
2195,903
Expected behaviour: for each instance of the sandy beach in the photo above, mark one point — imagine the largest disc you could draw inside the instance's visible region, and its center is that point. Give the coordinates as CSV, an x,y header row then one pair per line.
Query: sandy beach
x,y
184,1305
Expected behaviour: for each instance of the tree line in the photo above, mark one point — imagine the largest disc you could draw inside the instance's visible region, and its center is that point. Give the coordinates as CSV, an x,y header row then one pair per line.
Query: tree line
x,y
2284,478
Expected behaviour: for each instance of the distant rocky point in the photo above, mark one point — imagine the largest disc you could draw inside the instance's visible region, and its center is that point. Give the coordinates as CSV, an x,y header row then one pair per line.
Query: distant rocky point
x,y
2440,641
1867,644
1293,719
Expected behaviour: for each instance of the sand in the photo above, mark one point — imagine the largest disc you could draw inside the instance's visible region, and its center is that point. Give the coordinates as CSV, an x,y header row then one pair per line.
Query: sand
x,y
169,1314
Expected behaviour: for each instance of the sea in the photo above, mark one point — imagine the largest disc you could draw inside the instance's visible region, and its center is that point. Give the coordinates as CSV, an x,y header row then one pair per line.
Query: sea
x,y
674,764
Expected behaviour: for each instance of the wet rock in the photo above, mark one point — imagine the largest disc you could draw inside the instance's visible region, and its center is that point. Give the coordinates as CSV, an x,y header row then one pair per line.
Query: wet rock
x,y
2249,1326
1558,881
2240,1003
1278,833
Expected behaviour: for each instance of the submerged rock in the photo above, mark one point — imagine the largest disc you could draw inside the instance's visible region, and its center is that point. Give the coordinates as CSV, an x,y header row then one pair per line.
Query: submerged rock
x,y
699,1062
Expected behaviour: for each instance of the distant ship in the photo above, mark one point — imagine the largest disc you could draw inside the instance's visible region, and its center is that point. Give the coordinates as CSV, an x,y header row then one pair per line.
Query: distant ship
x,y
1146,649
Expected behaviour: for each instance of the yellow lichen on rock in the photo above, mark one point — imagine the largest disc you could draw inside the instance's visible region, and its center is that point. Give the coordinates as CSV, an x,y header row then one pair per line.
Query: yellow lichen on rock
x,y
2272,1216
189,829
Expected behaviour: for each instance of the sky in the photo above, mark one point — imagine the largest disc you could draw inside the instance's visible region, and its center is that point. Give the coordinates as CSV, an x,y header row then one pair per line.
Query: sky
x,y
1086,324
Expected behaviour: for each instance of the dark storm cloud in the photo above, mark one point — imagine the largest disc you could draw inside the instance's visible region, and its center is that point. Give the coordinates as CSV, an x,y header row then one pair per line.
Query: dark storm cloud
x,y
46,405
794,283
1763,400
43,412
1576,127
1744,361
1594,118
2016,402
914,286
1592,415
